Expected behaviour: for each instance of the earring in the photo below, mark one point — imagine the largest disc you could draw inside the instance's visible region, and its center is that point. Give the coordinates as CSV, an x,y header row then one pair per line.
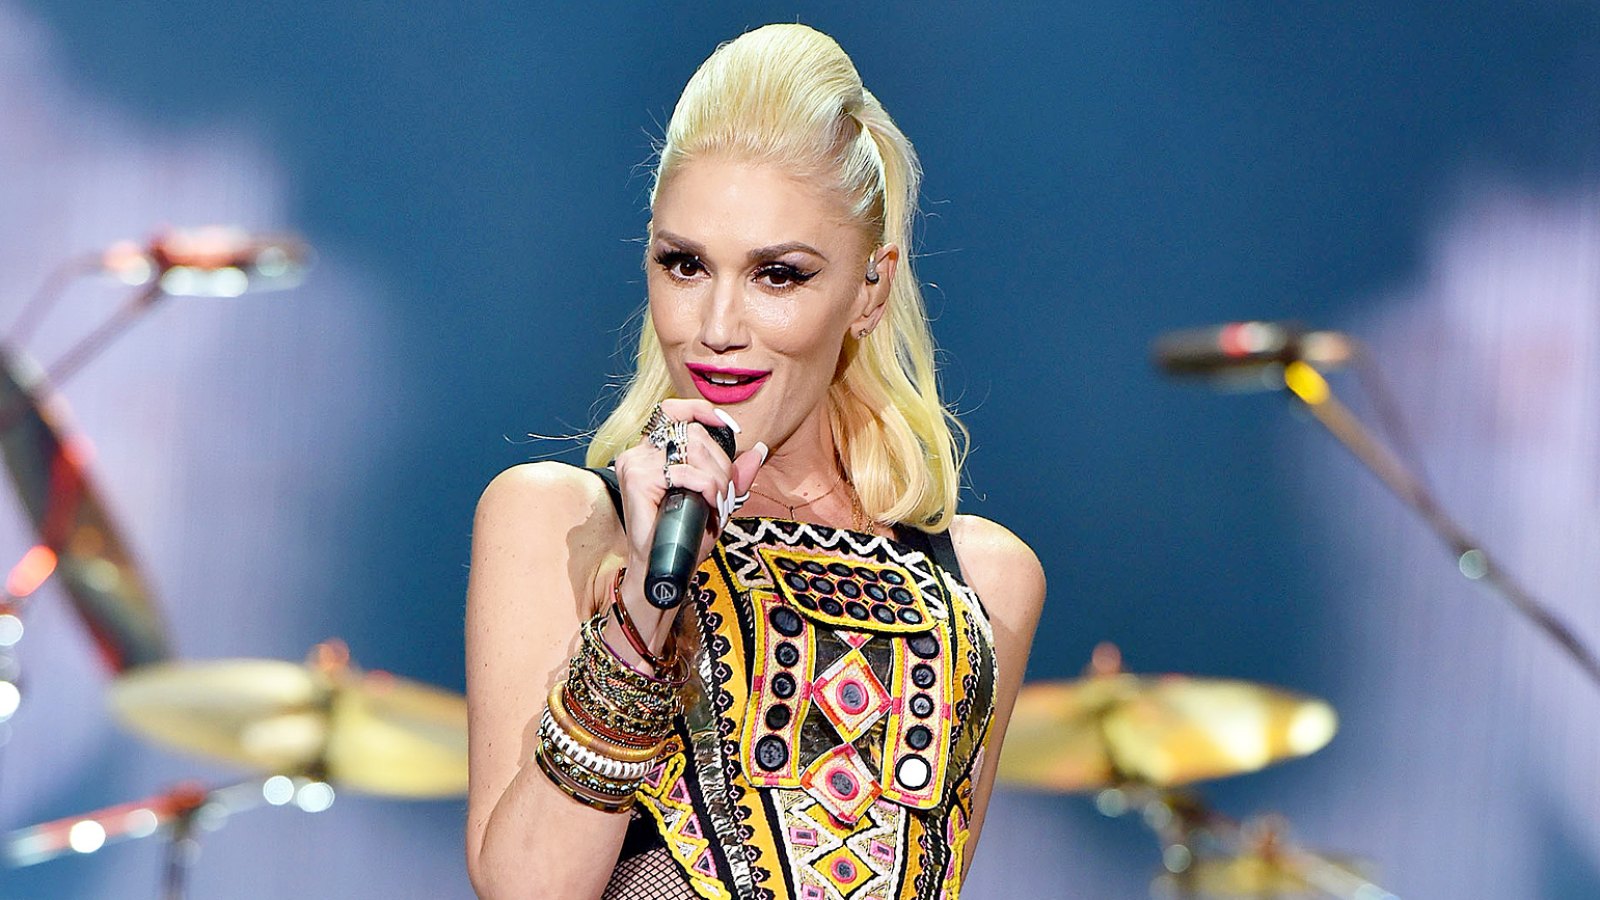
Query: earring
x,y
862,334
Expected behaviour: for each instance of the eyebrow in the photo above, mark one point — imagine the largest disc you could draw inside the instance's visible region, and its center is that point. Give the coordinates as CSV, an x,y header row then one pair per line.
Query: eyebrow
x,y
760,254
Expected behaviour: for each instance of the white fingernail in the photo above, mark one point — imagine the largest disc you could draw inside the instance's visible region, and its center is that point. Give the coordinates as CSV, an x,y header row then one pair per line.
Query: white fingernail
x,y
719,500
741,500
762,449
731,493
728,420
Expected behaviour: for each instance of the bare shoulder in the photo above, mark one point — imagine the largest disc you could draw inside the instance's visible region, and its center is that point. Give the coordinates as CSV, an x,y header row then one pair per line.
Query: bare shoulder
x,y
540,496
1000,566
545,518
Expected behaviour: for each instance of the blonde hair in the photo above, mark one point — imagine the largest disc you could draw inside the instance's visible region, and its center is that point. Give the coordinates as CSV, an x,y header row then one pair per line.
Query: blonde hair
x,y
790,96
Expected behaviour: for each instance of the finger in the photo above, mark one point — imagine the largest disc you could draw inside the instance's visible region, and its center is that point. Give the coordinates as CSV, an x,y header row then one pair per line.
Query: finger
x,y
702,411
747,465
706,484
639,478
705,453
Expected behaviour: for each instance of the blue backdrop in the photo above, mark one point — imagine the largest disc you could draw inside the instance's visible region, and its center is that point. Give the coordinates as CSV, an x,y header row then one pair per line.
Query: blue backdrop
x,y
1097,172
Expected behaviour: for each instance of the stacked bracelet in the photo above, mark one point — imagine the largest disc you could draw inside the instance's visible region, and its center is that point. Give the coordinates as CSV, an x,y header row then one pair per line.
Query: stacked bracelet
x,y
604,726
630,631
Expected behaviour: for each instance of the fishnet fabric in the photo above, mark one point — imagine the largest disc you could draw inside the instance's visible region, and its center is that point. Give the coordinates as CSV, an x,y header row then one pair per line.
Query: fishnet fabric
x,y
651,875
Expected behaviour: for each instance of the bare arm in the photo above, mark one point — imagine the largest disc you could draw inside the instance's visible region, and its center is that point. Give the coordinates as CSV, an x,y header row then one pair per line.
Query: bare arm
x,y
543,536
546,546
1008,578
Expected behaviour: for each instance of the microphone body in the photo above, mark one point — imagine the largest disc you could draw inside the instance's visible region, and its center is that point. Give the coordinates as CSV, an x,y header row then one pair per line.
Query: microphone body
x,y
1243,348
680,526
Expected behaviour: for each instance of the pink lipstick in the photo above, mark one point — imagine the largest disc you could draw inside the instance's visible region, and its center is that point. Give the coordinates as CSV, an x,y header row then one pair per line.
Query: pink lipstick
x,y
725,386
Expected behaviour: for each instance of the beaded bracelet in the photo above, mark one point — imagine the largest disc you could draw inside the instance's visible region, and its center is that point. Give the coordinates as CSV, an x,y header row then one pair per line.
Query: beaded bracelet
x,y
612,669
555,767
605,726
608,741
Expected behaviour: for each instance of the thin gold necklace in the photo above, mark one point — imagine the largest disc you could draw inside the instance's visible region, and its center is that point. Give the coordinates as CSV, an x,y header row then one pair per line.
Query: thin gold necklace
x,y
859,521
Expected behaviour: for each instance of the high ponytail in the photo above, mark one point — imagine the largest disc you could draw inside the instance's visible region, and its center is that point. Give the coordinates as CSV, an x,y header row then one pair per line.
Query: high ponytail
x,y
788,95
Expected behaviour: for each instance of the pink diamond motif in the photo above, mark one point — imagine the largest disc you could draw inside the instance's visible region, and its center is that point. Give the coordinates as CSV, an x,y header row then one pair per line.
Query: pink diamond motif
x,y
850,695
842,784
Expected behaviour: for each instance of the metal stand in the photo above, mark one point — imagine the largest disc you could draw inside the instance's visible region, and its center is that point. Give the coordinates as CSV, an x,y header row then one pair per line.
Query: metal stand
x,y
1307,384
1192,834
182,812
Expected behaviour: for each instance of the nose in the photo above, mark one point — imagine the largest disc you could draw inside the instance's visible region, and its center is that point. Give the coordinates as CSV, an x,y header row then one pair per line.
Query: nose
x,y
722,326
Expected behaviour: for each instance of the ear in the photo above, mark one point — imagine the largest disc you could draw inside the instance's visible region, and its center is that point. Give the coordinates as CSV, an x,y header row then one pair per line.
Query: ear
x,y
885,260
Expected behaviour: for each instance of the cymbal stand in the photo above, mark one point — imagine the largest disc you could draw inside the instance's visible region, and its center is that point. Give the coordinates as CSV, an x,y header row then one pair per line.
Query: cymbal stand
x,y
182,813
35,567
1184,824
1308,385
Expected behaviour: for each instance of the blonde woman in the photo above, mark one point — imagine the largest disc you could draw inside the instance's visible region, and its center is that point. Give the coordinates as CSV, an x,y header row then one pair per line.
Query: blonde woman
x,y
822,718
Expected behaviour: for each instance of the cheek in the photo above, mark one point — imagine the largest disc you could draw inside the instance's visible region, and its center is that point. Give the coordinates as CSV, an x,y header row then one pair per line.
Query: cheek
x,y
672,319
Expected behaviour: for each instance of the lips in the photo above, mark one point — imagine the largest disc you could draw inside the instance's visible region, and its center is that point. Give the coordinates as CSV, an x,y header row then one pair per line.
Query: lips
x,y
739,384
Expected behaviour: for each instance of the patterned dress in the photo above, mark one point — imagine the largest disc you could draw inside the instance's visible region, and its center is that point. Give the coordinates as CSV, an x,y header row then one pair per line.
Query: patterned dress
x,y
847,687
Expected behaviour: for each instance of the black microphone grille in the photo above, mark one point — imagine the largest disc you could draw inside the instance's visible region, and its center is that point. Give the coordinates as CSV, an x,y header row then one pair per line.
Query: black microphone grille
x,y
723,435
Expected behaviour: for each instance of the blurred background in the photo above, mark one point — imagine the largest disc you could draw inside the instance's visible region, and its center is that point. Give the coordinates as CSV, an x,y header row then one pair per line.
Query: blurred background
x,y
301,465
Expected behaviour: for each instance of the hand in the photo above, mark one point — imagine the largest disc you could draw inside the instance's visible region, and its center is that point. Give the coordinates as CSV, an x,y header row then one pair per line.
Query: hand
x,y
706,470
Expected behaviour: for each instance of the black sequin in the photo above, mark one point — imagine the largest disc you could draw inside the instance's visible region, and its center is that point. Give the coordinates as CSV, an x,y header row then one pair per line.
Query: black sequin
x,y
786,621
919,737
771,753
783,685
778,717
788,654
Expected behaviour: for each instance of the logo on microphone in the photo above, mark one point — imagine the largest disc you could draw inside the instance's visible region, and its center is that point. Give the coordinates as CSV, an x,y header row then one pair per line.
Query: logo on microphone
x,y
663,593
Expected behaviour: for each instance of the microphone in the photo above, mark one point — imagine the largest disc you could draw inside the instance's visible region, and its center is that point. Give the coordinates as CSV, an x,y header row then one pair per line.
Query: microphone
x,y
680,526
1242,349
214,261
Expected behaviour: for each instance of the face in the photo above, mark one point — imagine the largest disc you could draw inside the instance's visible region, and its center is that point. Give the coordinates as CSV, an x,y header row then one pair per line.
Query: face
x,y
756,279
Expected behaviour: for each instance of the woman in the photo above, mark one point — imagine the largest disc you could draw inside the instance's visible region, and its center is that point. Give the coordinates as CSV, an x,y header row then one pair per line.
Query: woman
x,y
839,734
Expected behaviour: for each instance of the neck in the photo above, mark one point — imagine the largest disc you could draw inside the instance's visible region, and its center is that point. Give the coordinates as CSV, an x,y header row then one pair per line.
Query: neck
x,y
802,479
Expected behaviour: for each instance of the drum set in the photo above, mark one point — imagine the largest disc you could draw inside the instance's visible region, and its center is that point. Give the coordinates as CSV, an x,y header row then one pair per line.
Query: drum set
x,y
301,730
1139,742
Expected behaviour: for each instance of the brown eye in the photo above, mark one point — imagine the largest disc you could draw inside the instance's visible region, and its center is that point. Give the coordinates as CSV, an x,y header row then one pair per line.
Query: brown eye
x,y
680,265
780,275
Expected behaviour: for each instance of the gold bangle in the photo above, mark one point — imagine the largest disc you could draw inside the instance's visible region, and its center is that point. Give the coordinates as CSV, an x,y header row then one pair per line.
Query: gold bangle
x,y
597,785
621,753
594,643
571,790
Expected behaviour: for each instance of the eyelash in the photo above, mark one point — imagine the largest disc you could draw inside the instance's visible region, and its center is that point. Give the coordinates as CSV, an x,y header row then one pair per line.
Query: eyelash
x,y
671,262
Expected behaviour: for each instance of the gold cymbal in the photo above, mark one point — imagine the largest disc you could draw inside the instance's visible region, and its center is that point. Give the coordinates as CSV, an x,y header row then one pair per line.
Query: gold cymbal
x,y
1166,730
367,731
79,542
1247,875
